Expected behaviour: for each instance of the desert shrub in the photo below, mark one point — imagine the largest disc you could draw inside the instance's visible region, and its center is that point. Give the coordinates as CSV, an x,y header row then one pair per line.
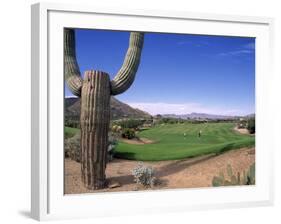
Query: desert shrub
x,y
251,125
128,133
72,147
73,123
144,175
248,178
242,124
112,143
116,128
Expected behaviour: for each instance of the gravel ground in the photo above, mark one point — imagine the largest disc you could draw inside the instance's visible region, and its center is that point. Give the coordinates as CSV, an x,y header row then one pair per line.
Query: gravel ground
x,y
188,173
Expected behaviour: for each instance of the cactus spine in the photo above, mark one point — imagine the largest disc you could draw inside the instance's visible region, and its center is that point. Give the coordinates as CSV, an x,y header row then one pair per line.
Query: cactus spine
x,y
95,91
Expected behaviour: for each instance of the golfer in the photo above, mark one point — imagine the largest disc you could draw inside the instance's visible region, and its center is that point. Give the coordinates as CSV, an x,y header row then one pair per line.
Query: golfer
x,y
199,134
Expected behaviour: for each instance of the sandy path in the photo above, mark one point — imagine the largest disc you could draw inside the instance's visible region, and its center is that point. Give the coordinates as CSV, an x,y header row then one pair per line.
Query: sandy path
x,y
140,141
188,173
243,131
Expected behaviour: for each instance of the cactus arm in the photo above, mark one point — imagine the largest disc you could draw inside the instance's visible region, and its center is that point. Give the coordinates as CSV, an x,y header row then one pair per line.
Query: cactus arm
x,y
71,69
126,75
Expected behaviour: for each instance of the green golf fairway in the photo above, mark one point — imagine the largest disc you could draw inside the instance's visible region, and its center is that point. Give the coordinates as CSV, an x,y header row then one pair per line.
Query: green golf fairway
x,y
170,142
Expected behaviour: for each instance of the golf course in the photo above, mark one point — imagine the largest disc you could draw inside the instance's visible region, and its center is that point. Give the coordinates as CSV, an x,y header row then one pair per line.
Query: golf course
x,y
179,141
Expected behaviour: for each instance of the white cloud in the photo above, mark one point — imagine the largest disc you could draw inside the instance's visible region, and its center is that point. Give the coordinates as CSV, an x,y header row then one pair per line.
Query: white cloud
x,y
236,53
244,50
184,108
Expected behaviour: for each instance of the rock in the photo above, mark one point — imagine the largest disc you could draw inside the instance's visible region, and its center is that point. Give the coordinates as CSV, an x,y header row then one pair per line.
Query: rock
x,y
135,188
114,185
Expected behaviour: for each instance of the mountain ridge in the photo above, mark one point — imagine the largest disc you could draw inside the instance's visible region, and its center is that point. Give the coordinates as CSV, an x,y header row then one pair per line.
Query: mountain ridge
x,y
195,115
118,109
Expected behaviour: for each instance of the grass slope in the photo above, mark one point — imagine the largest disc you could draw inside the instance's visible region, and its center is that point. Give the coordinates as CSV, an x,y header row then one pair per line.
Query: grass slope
x,y
70,132
171,144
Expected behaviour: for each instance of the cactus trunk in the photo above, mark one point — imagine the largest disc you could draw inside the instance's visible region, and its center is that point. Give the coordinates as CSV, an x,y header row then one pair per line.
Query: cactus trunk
x,y
95,91
94,120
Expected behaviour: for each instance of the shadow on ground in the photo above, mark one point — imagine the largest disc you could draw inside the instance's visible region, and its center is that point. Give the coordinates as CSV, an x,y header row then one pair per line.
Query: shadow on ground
x,y
163,171
180,165
25,213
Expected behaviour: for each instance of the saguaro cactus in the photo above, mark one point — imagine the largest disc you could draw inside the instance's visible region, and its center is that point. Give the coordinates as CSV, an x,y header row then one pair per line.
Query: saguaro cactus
x,y
95,91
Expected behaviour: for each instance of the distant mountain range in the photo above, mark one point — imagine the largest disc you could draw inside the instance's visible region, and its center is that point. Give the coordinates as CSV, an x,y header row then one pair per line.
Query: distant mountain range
x,y
118,109
204,116
121,110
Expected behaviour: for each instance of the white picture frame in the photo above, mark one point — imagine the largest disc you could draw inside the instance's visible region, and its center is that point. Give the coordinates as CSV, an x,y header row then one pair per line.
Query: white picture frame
x,y
48,201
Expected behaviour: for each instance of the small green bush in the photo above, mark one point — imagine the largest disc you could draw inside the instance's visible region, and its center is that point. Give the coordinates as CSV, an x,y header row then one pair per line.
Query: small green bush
x,y
130,123
72,122
128,133
242,124
251,125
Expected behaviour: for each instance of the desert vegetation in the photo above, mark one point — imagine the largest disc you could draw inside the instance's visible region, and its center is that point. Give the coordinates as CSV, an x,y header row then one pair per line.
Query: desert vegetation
x,y
110,145
232,179
248,123
72,145
251,125
144,175
170,142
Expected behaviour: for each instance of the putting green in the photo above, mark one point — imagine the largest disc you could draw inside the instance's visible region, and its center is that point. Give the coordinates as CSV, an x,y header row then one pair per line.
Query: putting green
x,y
170,142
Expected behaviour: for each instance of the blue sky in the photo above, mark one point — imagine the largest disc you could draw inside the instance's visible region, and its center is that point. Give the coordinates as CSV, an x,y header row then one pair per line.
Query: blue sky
x,y
178,73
